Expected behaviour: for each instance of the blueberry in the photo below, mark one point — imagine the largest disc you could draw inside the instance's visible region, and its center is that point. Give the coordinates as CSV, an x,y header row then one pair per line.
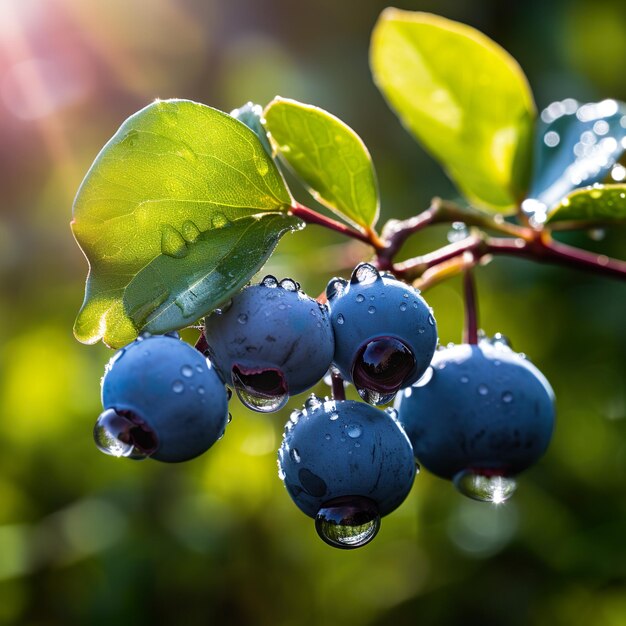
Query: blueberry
x,y
162,399
385,334
480,416
273,341
346,464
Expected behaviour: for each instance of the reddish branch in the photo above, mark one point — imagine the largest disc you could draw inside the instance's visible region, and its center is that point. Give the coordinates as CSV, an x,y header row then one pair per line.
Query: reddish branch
x,y
429,269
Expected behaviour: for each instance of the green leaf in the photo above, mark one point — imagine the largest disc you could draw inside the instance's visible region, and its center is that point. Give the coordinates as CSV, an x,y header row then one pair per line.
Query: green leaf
x,y
463,97
181,207
596,204
328,156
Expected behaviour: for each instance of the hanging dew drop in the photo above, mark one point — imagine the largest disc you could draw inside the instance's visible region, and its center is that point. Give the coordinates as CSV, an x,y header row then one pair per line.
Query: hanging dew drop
x,y
124,435
375,398
260,402
348,522
109,427
485,488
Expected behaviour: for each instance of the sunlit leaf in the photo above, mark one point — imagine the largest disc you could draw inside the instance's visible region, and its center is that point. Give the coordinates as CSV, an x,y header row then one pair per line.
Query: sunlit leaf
x,y
328,156
251,115
463,97
596,204
576,145
179,210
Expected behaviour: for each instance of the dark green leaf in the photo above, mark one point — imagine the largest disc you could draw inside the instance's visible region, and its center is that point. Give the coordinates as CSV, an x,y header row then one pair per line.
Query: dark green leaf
x,y
462,96
183,205
328,156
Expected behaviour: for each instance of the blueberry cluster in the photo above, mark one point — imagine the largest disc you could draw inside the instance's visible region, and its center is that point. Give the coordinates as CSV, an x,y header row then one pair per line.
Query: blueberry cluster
x,y
474,414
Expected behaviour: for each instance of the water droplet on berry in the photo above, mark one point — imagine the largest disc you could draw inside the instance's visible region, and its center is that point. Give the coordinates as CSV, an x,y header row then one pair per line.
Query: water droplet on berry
x,y
123,434
229,393
431,320
242,318
365,274
201,390
507,397
485,487
229,419
336,287
340,319
186,371
382,365
348,522
173,333
375,397
262,390
178,386
327,437
295,455
403,306
289,285
501,341
392,412
108,428
483,390
464,379
360,297
371,310
334,416
270,281
354,431
312,402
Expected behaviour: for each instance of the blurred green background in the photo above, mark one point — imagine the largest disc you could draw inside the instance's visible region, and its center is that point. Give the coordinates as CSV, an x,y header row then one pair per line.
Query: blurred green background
x,y
87,539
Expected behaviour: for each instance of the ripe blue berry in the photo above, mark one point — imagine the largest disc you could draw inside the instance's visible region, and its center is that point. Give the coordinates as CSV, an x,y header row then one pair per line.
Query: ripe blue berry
x,y
385,334
273,341
481,415
346,464
162,399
